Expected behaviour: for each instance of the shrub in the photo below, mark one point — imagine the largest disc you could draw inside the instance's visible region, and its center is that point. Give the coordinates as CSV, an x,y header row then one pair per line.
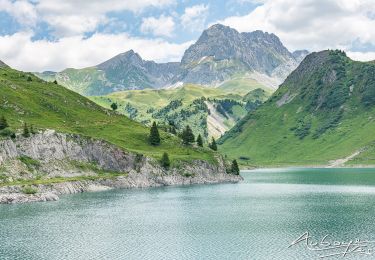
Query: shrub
x,y
26,131
3,123
29,190
7,133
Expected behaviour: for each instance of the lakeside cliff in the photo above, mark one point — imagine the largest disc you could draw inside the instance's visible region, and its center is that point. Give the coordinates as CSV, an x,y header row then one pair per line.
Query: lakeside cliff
x,y
49,164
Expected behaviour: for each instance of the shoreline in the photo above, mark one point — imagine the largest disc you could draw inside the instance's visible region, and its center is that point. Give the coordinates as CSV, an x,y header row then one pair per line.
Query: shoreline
x,y
13,194
49,164
360,166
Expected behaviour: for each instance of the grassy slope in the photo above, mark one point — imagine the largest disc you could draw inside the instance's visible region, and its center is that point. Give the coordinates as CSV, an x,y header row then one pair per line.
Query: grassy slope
x,y
265,136
144,100
47,105
241,85
149,98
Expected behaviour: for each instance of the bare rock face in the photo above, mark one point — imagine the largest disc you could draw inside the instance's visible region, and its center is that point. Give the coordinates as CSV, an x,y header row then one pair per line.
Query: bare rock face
x,y
221,52
59,155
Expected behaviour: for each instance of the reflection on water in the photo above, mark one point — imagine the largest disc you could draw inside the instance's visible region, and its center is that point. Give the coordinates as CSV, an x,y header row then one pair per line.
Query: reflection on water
x,y
255,219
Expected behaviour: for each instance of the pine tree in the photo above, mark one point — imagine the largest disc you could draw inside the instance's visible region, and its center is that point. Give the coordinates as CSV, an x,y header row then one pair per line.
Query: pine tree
x,y
172,130
234,168
26,132
32,131
114,106
199,140
55,82
165,162
213,145
154,136
187,136
3,123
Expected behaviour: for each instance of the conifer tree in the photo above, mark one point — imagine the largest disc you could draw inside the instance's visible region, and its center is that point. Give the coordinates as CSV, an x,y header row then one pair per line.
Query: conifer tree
x,y
187,136
26,132
154,137
213,144
114,106
32,131
3,123
165,162
199,140
234,168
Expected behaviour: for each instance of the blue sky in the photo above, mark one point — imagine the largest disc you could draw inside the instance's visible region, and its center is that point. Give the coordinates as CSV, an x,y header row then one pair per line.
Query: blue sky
x,y
37,35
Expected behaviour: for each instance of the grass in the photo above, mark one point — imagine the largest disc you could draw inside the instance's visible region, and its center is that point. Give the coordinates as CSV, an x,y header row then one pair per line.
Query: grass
x,y
266,136
29,162
51,106
151,105
29,190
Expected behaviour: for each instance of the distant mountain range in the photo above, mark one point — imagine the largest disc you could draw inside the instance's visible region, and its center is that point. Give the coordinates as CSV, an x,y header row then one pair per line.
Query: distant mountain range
x,y
220,56
324,111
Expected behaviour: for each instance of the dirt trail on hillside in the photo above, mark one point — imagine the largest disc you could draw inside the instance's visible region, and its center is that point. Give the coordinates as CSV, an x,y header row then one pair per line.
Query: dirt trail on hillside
x,y
341,162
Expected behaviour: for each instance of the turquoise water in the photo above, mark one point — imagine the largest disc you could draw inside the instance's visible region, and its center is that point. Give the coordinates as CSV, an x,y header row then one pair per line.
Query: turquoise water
x,y
255,219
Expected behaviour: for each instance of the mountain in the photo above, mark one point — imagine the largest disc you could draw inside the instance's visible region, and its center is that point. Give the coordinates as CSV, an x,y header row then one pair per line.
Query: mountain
x,y
323,112
28,99
220,56
299,55
2,64
208,111
124,71
222,52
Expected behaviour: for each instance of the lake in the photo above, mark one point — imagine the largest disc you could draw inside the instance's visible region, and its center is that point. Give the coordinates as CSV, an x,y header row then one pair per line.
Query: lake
x,y
256,219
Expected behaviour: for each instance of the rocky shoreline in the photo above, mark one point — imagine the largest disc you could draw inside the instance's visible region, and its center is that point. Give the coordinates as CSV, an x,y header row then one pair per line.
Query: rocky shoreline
x,y
55,155
51,192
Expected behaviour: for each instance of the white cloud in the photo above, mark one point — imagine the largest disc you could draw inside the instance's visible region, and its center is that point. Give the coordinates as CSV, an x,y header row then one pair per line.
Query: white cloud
x,y
194,17
162,26
312,24
77,52
72,17
361,56
22,11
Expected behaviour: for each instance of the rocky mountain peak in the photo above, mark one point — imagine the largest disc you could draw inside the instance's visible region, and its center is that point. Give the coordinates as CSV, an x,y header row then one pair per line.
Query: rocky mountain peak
x,y
310,64
128,58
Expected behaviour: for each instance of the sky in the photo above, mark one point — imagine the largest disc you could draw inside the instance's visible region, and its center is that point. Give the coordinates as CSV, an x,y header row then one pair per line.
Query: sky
x,y
40,35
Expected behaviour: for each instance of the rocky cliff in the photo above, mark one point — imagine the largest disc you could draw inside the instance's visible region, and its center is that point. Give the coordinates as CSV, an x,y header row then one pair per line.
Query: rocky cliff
x,y
49,164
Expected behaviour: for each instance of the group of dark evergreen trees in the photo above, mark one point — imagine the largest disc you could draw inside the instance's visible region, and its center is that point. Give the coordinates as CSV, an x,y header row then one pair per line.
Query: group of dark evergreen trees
x,y
4,128
187,136
5,131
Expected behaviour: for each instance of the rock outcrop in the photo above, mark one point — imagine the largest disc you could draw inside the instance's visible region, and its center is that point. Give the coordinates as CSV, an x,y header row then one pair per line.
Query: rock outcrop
x,y
50,155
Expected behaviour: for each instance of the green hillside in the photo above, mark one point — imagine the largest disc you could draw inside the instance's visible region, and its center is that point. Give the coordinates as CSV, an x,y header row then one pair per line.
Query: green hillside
x,y
192,105
325,110
28,99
